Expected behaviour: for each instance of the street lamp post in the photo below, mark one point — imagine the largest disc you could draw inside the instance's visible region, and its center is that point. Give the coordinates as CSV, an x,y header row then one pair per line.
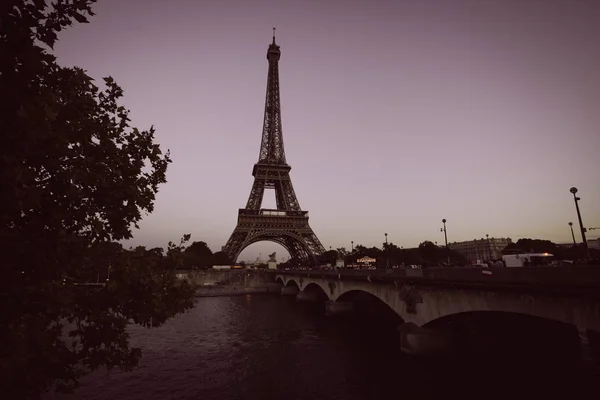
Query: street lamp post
x,y
489,247
585,245
446,239
444,229
387,258
352,252
573,234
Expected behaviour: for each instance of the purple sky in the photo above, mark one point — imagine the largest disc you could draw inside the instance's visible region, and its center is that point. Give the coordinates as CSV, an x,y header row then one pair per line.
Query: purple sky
x,y
396,113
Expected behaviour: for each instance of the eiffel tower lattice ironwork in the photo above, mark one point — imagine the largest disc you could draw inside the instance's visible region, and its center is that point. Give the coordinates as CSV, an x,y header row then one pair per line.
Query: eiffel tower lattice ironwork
x,y
286,225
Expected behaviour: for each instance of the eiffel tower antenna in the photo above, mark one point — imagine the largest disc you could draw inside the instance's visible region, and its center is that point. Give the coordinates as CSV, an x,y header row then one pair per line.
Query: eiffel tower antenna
x,y
287,224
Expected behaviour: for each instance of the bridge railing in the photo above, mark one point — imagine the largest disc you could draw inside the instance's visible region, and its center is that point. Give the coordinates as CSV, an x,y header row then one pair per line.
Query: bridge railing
x,y
584,277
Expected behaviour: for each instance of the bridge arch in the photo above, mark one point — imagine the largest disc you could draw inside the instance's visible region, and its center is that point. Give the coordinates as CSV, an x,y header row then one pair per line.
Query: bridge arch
x,y
487,317
457,303
292,282
369,304
506,333
316,288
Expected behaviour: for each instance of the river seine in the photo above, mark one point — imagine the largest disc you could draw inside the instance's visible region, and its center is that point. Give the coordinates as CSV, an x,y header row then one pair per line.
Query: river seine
x,y
270,347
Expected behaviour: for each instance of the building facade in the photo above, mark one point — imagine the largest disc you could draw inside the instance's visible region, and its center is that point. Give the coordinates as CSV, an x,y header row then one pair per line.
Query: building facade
x,y
481,249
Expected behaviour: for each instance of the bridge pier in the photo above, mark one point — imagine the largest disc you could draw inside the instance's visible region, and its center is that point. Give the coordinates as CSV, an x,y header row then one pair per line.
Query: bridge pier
x,y
289,290
333,308
416,340
307,297
587,352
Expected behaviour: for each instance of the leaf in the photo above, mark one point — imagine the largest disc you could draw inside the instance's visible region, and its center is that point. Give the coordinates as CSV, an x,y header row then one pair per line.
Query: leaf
x,y
80,18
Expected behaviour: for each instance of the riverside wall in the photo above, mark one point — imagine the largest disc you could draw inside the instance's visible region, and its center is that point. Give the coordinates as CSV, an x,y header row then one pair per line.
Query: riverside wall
x,y
230,282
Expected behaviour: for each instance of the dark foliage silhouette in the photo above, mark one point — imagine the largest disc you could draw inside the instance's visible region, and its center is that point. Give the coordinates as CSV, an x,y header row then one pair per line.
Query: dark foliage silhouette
x,y
75,179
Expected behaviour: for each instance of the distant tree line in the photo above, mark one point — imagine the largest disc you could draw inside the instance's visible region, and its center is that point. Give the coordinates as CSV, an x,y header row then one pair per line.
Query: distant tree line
x,y
427,254
195,256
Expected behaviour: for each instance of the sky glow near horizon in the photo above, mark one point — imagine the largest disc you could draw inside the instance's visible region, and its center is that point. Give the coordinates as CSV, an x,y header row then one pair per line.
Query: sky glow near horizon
x,y
396,114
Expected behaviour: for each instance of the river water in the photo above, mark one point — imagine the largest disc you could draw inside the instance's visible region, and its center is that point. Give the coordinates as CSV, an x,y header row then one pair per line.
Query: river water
x,y
270,347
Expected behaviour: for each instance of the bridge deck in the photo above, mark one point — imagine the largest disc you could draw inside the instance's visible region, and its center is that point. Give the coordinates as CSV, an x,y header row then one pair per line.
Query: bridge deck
x,y
575,280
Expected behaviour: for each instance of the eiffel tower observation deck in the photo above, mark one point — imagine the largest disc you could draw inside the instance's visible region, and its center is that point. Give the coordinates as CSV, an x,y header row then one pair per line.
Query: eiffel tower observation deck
x,y
287,224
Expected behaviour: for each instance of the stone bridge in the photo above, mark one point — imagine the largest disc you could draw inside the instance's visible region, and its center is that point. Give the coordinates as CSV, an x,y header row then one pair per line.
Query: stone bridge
x,y
420,297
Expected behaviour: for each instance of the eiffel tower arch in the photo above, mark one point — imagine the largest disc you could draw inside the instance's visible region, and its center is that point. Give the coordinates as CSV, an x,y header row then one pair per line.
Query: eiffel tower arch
x,y
287,224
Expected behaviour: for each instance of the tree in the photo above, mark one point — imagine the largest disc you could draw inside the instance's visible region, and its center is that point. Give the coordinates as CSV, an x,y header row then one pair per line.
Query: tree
x,y
198,255
328,257
360,250
159,251
222,258
342,252
75,178
290,263
428,252
536,245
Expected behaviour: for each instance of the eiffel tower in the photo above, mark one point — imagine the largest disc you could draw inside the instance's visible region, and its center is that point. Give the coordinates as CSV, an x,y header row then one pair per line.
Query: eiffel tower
x,y
286,225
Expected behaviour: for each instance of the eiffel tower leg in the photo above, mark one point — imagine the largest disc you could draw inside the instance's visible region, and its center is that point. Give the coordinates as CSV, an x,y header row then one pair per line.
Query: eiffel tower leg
x,y
313,244
256,194
297,250
234,245
285,195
